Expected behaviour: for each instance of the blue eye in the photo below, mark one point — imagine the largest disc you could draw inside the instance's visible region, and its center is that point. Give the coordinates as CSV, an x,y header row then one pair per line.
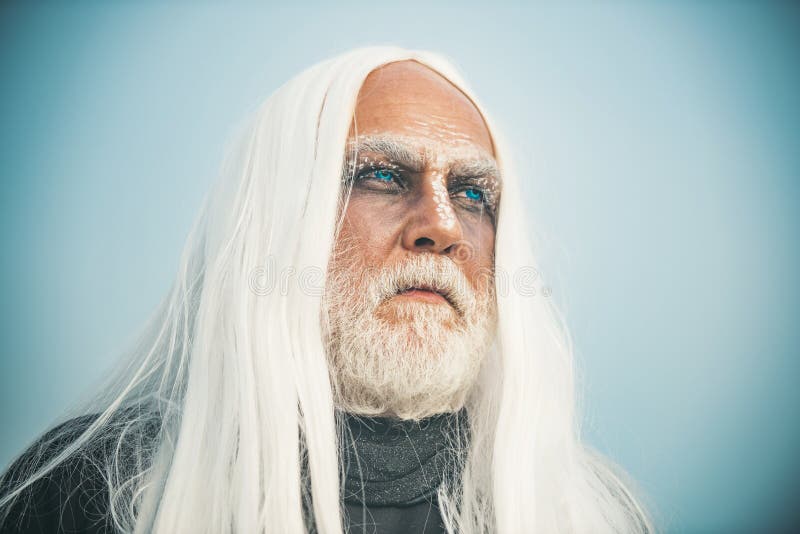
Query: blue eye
x,y
384,175
474,194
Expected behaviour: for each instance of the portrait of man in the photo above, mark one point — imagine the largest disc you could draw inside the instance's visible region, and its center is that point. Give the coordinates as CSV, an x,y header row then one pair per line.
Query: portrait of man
x,y
402,388
399,268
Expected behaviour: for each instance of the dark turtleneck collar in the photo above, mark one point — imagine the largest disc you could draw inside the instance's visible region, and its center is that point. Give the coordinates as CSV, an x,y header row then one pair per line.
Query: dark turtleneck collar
x,y
392,462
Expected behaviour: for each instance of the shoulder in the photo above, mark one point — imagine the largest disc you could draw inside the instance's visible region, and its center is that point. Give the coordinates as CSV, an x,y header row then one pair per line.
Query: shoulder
x,y
73,496
51,503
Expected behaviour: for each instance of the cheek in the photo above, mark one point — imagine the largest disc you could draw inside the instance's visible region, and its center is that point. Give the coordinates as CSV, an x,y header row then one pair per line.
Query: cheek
x,y
368,229
479,266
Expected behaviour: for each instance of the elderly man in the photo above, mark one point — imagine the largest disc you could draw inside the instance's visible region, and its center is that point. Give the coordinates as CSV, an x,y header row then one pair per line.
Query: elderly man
x,y
416,393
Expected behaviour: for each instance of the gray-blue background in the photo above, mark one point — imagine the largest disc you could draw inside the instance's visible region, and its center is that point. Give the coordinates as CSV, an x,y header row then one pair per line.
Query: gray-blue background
x,y
661,150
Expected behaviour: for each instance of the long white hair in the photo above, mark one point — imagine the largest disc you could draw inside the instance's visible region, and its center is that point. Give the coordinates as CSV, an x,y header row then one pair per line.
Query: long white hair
x,y
223,414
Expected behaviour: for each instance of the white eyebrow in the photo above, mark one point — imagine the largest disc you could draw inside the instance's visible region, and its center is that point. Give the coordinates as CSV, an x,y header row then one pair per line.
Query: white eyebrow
x,y
476,168
393,147
412,155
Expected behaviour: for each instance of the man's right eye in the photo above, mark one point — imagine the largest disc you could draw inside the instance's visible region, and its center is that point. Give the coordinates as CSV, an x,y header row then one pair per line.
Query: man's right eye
x,y
383,175
379,175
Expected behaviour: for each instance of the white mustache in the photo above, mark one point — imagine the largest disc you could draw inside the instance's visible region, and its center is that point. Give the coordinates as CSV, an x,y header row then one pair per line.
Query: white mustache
x,y
428,272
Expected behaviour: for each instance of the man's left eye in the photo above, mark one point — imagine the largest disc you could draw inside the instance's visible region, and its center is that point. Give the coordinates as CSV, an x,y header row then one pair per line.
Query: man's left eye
x,y
473,194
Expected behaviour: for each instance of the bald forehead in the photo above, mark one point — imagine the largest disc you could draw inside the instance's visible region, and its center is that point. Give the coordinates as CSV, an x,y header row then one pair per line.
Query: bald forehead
x,y
410,99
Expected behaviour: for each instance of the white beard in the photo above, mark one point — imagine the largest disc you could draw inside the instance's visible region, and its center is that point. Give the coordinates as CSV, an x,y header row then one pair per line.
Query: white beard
x,y
399,356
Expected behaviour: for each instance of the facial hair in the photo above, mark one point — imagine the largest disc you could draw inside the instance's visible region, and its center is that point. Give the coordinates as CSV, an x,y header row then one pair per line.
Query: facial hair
x,y
398,356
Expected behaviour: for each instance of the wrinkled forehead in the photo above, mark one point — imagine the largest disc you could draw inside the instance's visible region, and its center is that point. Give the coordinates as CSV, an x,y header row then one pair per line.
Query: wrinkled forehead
x,y
413,102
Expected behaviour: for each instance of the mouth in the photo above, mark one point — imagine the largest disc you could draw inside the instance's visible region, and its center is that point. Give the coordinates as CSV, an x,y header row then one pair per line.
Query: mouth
x,y
427,293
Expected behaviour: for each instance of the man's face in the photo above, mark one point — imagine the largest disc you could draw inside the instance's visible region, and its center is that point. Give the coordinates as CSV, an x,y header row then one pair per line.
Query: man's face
x,y
410,295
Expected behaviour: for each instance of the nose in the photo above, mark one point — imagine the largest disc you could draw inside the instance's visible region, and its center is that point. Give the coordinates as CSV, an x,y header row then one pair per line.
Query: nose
x,y
432,225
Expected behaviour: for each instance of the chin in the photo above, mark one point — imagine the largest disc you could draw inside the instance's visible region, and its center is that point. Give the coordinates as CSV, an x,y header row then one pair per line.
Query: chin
x,y
416,314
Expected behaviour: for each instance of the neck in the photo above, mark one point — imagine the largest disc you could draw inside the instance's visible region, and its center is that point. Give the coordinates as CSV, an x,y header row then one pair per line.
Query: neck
x,y
389,461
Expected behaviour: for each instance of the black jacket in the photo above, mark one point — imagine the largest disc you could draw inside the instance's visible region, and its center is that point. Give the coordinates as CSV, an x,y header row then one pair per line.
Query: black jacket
x,y
392,496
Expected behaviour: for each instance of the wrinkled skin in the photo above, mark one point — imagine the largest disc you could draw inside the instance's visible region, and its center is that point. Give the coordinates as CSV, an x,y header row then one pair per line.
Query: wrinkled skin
x,y
386,223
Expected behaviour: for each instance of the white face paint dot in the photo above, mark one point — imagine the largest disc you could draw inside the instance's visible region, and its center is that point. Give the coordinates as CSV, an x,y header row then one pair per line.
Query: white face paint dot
x,y
442,199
